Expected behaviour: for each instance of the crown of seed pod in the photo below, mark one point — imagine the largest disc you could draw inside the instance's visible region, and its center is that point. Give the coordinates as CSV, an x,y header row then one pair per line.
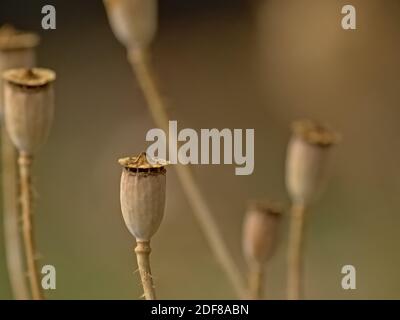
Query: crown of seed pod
x,y
29,106
260,230
134,22
17,50
306,162
142,195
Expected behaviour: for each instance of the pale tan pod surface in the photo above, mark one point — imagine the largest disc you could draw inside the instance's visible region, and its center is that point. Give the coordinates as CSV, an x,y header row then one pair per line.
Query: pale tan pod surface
x,y
260,232
306,170
142,203
134,22
29,107
143,192
307,160
17,50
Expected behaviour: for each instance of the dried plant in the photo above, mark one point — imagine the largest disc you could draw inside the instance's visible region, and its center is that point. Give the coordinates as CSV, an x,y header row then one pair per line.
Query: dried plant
x,y
260,236
306,172
17,50
142,203
134,23
29,107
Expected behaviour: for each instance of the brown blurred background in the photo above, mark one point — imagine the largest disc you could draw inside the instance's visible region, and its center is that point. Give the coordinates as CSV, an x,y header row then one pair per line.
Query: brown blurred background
x,y
234,64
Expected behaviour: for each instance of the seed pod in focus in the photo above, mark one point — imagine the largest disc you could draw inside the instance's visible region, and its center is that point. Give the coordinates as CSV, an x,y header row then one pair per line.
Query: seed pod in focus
x,y
143,195
134,22
306,162
29,107
17,50
260,231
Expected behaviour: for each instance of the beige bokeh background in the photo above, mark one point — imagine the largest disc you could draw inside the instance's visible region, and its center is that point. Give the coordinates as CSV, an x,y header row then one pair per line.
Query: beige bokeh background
x,y
223,64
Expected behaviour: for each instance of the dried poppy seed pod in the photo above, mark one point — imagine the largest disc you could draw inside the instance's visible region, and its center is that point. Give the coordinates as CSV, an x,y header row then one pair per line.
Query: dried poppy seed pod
x,y
306,161
134,22
143,195
260,230
17,50
29,107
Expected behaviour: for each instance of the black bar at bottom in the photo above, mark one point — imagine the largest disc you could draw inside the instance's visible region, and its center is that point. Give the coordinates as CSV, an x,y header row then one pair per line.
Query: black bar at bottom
x,y
227,309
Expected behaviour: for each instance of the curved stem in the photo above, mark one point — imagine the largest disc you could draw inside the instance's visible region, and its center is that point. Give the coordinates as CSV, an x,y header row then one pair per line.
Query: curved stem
x,y
256,281
143,69
25,163
143,251
296,252
12,240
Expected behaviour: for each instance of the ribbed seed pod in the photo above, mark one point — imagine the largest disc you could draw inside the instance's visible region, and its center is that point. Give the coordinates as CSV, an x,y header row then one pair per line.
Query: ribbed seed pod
x,y
17,50
143,185
134,22
306,162
142,195
260,231
306,172
29,107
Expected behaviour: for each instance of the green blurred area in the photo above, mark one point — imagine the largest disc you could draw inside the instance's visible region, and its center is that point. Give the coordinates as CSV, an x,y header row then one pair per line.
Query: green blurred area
x,y
239,64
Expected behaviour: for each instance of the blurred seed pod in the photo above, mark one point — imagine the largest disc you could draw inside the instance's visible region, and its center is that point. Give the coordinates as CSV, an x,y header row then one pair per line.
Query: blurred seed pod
x,y
134,22
17,50
12,39
29,107
306,162
142,195
260,231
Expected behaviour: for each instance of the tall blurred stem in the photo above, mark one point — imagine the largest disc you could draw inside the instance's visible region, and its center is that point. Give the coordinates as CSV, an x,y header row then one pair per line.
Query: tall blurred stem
x,y
11,219
256,281
142,67
296,252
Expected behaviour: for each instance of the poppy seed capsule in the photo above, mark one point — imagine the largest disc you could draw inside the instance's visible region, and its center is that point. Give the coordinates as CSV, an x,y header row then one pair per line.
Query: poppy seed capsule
x,y
306,162
17,50
29,107
260,230
134,22
143,195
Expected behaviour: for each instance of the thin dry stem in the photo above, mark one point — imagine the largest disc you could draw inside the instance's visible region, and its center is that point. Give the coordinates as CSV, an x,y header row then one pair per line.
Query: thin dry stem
x,y
141,64
256,281
143,251
296,252
12,240
25,162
